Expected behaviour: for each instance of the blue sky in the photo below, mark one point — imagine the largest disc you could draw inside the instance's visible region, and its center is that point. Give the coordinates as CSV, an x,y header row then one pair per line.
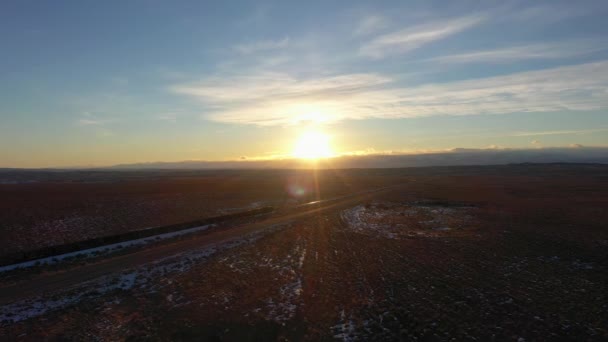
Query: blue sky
x,y
101,83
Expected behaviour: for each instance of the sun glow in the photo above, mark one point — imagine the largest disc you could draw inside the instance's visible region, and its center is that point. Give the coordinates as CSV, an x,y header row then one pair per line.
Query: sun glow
x,y
313,145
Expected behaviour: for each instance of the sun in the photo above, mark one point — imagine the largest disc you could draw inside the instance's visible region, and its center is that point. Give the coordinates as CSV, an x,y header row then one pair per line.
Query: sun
x,y
313,145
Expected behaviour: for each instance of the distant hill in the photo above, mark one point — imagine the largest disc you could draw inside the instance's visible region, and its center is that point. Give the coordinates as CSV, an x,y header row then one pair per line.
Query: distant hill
x,y
455,157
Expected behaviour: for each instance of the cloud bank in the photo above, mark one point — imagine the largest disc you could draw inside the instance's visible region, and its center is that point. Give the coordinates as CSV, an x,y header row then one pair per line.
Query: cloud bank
x,y
410,64
282,99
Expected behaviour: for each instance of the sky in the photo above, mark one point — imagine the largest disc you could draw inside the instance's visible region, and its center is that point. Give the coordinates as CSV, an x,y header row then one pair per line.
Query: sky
x,y
97,83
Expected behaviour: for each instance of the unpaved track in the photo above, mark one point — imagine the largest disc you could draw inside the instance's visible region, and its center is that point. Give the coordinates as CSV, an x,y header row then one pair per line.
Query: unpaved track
x,y
47,284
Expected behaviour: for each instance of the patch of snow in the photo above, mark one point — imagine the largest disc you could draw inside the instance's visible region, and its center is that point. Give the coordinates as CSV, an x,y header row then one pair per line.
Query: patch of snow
x,y
344,330
284,308
96,251
579,265
142,278
23,310
395,220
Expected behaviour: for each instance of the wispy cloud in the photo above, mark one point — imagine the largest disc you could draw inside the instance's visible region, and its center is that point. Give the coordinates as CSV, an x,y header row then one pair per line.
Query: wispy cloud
x,y
553,12
90,119
562,132
259,15
278,99
262,45
169,117
565,49
371,24
119,81
89,122
274,98
246,92
412,38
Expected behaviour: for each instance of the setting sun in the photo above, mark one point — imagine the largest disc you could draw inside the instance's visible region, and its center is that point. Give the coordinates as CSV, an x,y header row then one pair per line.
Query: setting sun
x,y
313,145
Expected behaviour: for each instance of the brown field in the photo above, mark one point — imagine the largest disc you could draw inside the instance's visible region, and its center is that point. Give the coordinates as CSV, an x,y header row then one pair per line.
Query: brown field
x,y
73,206
460,253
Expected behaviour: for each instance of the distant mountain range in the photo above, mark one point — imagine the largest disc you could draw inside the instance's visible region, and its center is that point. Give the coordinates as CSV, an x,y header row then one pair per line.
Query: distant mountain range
x,y
455,157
